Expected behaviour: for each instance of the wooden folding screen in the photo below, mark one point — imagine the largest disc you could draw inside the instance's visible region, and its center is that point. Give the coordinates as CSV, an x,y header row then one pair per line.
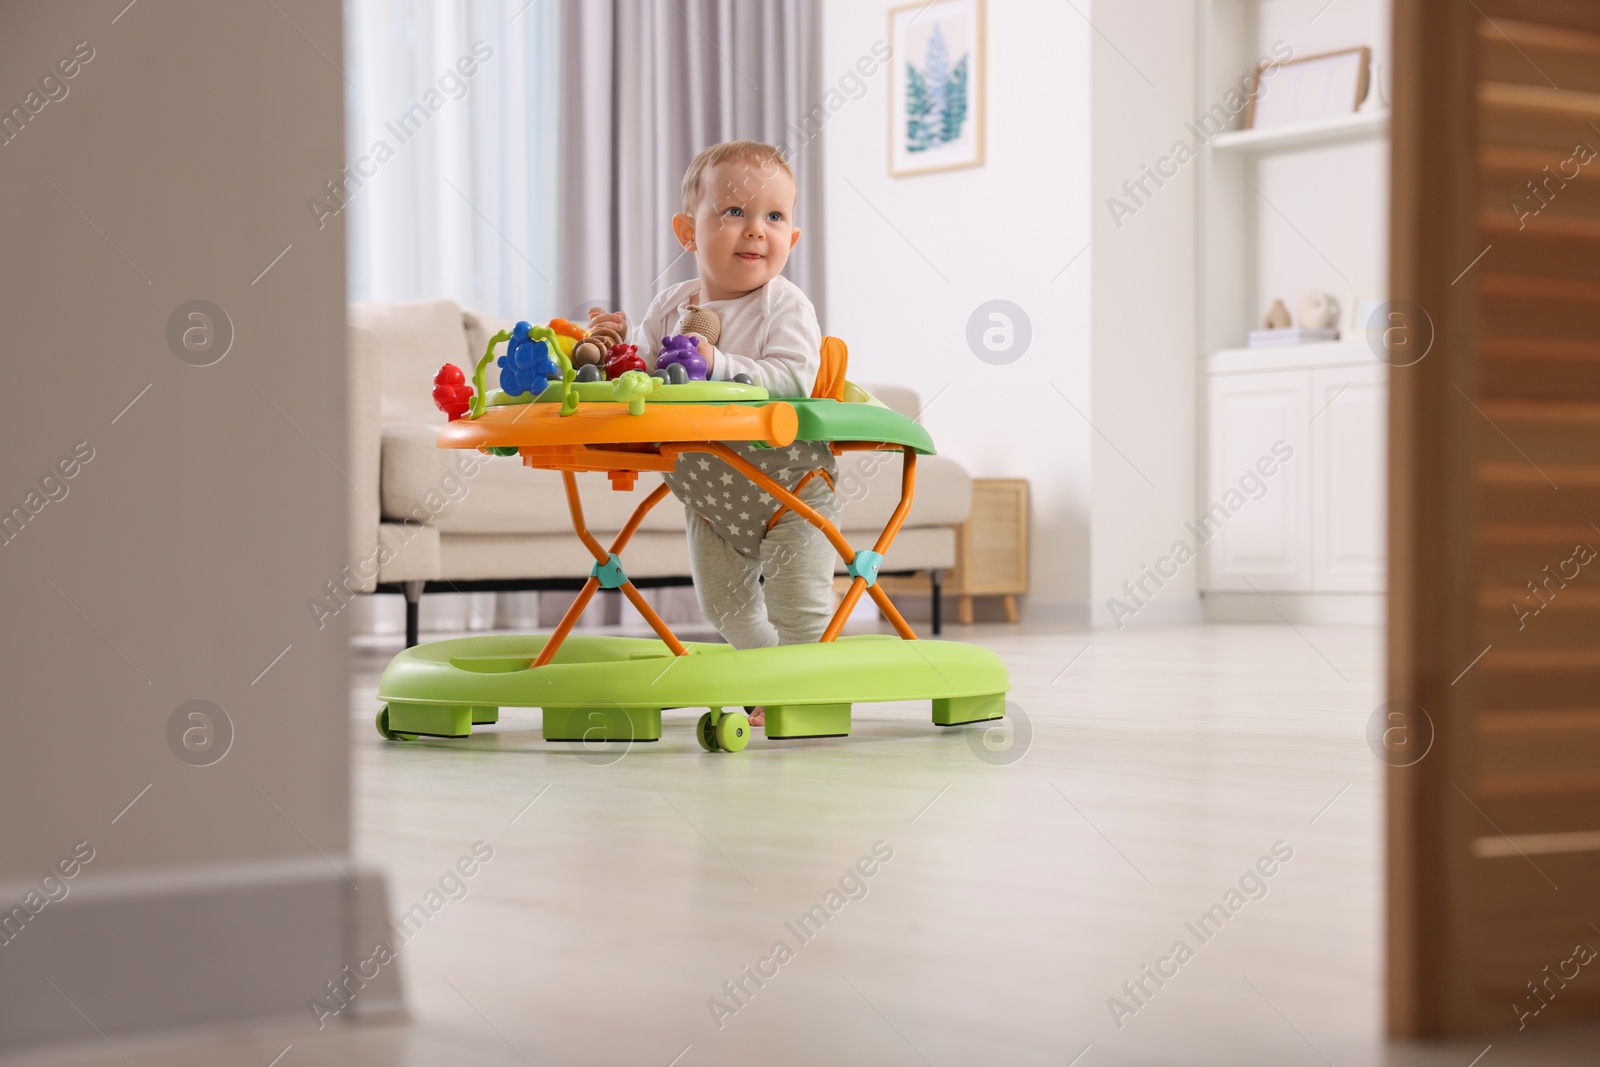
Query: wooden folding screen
x,y
1494,835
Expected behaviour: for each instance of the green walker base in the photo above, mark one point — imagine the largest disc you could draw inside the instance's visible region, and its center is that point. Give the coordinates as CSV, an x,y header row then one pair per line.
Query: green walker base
x,y
615,688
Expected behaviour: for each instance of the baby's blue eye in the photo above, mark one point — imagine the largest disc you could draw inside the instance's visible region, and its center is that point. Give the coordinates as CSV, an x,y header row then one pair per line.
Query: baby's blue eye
x,y
736,211
775,216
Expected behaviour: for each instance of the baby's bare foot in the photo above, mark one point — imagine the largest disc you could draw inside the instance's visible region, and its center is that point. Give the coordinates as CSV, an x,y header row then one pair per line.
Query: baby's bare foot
x,y
757,714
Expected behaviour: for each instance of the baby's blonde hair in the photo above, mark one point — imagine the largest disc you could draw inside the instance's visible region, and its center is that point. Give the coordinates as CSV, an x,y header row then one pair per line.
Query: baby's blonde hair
x,y
743,151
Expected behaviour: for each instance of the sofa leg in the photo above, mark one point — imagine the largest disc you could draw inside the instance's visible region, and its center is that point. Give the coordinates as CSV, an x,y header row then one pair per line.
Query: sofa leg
x,y
413,592
934,580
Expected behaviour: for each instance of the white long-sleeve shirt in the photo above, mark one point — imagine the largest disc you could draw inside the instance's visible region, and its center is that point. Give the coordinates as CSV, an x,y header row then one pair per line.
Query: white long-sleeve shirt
x,y
771,334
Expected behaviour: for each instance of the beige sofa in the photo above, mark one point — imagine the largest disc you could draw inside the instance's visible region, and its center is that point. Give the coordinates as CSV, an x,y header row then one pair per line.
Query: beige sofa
x,y
426,519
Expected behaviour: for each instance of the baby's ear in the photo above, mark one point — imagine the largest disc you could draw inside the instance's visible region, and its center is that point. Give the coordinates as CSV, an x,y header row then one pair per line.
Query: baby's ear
x,y
794,237
683,228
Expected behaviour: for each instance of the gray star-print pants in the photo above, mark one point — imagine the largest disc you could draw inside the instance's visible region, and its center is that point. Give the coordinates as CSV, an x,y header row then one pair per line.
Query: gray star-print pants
x,y
782,597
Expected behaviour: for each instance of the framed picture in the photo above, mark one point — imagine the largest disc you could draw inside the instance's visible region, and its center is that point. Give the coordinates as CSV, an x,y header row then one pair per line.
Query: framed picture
x,y
1304,90
936,89
1363,305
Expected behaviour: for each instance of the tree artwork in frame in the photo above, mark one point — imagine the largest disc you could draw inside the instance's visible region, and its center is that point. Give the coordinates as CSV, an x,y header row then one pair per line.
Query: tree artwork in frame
x,y
936,93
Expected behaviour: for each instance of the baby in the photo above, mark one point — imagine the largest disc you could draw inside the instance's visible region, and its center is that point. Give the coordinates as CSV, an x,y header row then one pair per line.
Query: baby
x,y
761,582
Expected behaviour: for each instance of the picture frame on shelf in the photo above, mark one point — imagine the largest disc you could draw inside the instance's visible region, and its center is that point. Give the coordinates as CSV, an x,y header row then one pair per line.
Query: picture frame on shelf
x,y
937,94
1363,304
1322,86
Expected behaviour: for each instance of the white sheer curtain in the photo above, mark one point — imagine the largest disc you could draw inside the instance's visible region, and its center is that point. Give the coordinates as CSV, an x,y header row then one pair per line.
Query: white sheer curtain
x,y
451,121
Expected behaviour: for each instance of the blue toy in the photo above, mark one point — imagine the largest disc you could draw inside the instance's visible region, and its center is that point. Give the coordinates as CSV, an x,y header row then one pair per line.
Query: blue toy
x,y
527,366
683,351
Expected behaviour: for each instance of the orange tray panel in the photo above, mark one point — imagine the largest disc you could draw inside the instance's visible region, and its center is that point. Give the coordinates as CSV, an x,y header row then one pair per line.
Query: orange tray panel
x,y
515,426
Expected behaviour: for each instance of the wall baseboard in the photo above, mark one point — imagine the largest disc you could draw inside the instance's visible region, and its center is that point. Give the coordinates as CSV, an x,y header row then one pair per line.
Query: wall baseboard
x,y
195,947
1331,609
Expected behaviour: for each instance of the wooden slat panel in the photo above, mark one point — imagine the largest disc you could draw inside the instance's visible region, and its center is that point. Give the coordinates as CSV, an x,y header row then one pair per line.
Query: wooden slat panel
x,y
1526,368
1536,117
1499,445
1531,54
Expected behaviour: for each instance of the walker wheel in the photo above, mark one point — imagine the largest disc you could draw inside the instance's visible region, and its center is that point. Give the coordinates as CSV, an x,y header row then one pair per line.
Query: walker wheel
x,y
733,731
705,733
388,734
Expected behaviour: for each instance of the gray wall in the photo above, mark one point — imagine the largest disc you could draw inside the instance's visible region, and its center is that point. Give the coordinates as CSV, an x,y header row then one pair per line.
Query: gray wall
x,y
177,566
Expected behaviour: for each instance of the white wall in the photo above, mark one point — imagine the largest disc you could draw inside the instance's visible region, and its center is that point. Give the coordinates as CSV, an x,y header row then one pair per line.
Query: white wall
x,y
1332,234
1142,275
910,259
204,882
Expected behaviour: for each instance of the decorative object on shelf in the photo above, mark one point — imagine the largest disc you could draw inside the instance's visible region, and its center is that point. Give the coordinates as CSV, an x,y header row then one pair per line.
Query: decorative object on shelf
x,y
1291,335
1363,305
1377,95
1303,90
936,86
701,322
1277,317
1319,311
589,373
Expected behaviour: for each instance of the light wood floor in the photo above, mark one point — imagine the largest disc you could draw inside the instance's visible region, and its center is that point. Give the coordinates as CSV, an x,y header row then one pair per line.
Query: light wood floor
x,y
1162,764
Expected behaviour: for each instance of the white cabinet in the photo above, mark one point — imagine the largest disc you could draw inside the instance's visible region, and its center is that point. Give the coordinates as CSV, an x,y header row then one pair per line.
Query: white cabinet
x,y
1349,454
1296,478
1257,508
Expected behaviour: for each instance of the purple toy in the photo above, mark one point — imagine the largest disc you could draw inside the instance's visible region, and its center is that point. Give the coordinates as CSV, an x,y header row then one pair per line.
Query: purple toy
x,y
682,350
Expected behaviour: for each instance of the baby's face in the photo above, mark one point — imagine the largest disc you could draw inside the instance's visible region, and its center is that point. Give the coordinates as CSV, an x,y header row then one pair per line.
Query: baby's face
x,y
743,227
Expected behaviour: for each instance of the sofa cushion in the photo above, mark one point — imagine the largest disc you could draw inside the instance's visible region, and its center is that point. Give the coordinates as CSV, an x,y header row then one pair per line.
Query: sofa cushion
x,y
480,327
414,341
869,487
899,398
468,557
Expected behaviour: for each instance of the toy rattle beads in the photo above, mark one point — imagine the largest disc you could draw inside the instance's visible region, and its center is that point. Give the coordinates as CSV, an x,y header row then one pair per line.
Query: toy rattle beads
x,y
565,352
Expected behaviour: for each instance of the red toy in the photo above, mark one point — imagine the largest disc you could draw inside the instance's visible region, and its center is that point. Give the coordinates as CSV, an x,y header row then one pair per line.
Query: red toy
x,y
623,358
451,393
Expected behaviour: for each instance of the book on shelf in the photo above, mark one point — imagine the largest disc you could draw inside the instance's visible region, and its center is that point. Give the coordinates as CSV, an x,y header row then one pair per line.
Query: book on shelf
x,y
1291,335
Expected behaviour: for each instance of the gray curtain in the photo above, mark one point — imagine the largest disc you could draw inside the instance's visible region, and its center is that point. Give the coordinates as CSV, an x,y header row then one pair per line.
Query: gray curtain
x,y
646,84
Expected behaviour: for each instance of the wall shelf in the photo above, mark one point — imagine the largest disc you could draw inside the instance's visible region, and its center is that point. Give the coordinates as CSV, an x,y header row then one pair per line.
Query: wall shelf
x,y
1360,124
1347,351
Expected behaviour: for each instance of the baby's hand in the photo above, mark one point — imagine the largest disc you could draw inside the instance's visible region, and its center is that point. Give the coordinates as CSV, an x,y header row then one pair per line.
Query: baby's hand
x,y
601,317
707,351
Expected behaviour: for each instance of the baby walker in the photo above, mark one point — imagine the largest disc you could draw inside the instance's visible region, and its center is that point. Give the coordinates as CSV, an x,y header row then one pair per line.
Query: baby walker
x,y
568,402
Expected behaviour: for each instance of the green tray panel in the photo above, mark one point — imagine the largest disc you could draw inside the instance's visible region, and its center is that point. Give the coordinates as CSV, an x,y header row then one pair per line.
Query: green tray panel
x,y
834,420
599,392
592,671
